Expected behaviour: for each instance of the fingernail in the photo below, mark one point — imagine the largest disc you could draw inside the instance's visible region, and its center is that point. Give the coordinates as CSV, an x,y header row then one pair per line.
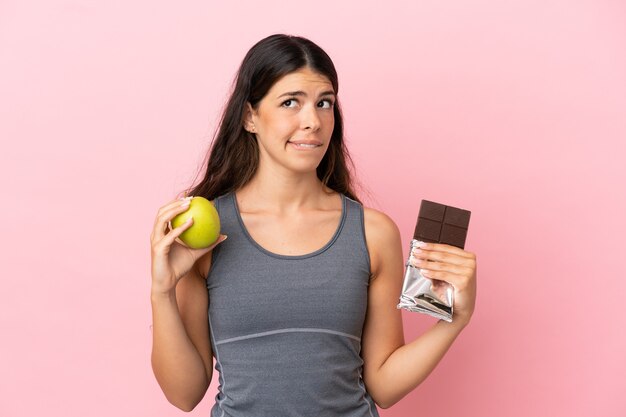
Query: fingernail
x,y
420,244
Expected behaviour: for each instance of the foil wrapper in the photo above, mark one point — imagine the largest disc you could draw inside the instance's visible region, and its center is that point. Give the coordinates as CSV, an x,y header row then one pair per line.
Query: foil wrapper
x,y
424,295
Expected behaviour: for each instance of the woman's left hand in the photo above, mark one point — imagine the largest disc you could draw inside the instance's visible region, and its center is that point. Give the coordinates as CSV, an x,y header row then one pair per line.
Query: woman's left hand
x,y
455,266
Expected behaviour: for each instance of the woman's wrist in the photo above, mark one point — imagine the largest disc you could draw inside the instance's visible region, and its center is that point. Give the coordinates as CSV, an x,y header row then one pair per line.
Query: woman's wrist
x,y
157,295
457,323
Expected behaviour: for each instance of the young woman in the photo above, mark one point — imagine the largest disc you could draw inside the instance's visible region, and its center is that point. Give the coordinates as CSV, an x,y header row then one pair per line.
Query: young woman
x,y
298,305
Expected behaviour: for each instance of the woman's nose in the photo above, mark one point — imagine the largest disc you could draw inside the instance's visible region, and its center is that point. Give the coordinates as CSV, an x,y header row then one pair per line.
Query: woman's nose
x,y
310,118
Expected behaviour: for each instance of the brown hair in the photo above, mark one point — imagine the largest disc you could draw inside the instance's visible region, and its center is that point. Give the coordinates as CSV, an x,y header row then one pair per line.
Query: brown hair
x,y
234,153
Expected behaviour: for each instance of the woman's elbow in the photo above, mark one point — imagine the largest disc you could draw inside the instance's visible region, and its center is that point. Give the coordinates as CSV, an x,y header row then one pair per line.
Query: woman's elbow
x,y
184,405
187,402
383,405
381,402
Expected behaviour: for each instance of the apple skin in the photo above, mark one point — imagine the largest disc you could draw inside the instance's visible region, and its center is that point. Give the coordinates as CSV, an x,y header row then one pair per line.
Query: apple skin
x,y
205,228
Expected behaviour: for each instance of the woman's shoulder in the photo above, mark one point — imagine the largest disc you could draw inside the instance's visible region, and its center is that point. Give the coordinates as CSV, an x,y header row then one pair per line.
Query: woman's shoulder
x,y
383,238
379,225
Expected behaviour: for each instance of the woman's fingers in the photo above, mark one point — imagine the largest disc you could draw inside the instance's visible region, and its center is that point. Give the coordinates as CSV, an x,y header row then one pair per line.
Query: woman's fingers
x,y
165,214
456,280
445,253
442,247
196,253
457,267
219,240
445,263
177,208
171,204
442,267
177,231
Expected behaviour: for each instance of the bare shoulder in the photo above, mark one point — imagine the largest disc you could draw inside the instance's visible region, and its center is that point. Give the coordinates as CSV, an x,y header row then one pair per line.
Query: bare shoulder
x,y
203,264
382,235
379,227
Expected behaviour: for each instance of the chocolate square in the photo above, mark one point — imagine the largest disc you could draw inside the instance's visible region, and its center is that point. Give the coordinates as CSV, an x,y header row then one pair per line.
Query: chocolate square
x,y
439,223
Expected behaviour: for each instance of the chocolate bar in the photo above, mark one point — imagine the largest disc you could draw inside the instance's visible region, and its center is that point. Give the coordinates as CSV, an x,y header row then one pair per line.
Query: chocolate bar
x,y
436,223
439,223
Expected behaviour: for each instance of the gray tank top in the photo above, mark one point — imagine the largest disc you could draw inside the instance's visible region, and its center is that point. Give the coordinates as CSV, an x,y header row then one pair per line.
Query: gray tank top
x,y
286,330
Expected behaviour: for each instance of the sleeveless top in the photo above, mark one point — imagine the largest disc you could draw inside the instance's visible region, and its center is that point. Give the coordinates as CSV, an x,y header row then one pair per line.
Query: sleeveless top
x,y
286,330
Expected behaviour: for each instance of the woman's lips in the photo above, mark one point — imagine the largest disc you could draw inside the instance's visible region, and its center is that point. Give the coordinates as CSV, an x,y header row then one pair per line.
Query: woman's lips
x,y
303,146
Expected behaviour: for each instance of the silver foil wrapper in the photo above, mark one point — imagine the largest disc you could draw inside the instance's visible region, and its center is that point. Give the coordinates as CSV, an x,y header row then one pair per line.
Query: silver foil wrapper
x,y
424,295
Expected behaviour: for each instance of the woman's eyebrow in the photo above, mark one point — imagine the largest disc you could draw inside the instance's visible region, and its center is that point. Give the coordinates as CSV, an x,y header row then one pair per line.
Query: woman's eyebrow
x,y
302,93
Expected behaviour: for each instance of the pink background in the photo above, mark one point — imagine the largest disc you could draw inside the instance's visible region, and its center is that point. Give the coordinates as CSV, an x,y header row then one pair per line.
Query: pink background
x,y
515,110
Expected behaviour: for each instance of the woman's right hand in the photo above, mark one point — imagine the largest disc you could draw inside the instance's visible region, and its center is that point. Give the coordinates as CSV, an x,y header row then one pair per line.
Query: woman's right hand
x,y
172,260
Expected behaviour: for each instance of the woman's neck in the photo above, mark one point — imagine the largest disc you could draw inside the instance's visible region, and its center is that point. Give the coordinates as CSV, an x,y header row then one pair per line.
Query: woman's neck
x,y
283,195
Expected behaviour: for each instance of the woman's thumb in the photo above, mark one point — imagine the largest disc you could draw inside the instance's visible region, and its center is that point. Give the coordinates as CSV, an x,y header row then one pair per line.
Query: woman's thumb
x,y
219,240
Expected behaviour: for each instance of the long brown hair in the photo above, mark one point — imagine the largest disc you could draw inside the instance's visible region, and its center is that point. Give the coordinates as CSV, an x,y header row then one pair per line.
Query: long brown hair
x,y
234,153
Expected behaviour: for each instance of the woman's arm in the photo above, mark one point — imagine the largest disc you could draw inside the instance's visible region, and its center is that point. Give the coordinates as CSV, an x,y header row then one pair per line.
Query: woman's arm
x,y
392,368
181,350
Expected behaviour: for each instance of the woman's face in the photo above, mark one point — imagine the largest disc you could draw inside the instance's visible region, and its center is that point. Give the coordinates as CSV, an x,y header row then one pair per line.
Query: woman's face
x,y
293,123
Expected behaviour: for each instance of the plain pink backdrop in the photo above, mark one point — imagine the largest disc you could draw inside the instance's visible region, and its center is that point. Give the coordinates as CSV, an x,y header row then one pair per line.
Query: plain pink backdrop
x,y
515,110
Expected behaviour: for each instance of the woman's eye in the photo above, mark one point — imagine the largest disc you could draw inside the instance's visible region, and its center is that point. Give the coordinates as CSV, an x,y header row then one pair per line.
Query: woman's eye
x,y
329,104
287,103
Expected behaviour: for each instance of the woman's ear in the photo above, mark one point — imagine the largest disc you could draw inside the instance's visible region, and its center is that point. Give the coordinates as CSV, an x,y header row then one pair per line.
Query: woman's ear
x,y
248,122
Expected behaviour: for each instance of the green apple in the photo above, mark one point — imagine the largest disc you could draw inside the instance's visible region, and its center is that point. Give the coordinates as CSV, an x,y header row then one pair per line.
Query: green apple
x,y
205,228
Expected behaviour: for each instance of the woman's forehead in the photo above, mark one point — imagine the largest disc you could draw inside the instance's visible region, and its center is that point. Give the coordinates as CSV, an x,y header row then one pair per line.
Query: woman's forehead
x,y
301,79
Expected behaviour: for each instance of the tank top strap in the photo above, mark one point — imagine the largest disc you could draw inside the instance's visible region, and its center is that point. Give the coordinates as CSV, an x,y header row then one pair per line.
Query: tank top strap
x,y
226,209
228,222
352,236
